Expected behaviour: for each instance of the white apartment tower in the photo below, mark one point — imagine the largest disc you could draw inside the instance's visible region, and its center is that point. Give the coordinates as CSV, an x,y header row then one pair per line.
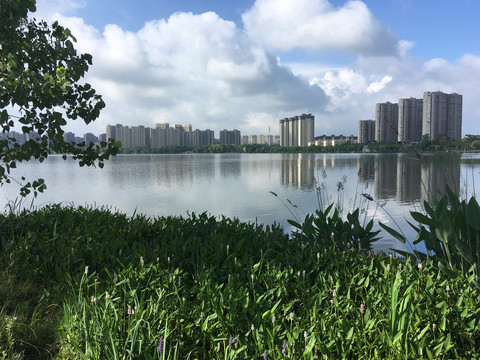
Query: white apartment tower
x,y
442,115
297,130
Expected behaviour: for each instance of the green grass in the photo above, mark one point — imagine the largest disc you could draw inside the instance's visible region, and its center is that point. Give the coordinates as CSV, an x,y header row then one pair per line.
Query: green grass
x,y
83,283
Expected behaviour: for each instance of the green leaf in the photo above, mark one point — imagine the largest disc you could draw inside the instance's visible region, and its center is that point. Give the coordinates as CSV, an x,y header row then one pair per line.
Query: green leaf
x,y
393,232
422,219
350,333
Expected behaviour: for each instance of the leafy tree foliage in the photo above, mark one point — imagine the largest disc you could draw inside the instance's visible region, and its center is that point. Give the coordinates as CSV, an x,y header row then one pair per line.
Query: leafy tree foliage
x,y
41,88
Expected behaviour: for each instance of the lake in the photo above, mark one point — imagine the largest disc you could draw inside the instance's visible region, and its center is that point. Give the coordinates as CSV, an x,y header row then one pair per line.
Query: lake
x,y
241,185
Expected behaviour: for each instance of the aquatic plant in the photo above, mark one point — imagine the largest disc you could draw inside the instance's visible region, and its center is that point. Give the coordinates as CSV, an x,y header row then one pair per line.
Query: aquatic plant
x,y
194,290
450,232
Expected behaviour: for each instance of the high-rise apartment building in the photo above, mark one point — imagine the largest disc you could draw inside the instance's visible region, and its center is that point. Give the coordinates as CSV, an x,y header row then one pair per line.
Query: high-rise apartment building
x,y
110,132
366,131
140,136
160,136
89,138
442,115
202,137
386,122
230,137
182,134
410,115
297,130
119,133
69,137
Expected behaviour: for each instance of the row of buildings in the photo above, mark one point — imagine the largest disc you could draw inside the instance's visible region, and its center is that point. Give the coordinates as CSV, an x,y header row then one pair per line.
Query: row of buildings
x,y
160,136
21,138
437,114
165,135
181,135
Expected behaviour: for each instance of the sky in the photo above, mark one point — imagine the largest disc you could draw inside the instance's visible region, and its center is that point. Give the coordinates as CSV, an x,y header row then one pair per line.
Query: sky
x,y
246,64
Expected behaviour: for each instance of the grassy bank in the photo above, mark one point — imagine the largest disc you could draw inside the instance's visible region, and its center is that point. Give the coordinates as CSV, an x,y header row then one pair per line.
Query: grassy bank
x,y
94,284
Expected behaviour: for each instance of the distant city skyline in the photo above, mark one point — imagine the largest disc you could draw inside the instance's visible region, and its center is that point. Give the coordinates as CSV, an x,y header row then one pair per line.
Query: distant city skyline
x,y
241,64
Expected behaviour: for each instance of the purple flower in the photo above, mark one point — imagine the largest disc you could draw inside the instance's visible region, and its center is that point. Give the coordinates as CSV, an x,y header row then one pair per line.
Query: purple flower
x,y
265,355
160,346
230,342
284,346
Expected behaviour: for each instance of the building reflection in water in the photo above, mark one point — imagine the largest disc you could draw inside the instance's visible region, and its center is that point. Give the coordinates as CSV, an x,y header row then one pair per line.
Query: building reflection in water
x,y
297,170
230,166
366,168
406,178
438,172
385,179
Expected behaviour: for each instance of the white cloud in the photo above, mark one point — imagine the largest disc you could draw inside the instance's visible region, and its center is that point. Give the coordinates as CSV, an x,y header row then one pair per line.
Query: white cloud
x,y
376,86
204,70
317,25
260,124
197,69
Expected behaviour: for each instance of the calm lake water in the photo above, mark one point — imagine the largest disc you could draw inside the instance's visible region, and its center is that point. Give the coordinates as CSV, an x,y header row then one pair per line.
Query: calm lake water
x,y
241,185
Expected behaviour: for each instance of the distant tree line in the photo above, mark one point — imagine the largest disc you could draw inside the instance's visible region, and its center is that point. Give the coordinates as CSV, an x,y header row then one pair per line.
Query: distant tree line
x,y
467,143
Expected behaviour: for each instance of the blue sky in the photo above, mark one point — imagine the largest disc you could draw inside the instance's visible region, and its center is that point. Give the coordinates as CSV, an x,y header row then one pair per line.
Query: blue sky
x,y
245,64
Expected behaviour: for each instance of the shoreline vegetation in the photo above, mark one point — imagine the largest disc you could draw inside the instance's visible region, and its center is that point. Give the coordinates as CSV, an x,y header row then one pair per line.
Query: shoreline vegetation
x,y
91,283
469,143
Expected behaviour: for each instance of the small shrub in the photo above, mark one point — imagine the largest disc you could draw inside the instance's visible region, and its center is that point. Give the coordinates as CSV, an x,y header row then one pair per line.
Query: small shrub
x,y
329,229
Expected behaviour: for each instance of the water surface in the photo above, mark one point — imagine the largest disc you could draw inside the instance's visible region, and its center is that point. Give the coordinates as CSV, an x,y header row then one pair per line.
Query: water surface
x,y
241,185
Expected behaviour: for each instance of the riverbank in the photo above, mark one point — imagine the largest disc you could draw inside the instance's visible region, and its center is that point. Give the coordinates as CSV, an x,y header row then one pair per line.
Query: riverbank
x,y
92,283
469,143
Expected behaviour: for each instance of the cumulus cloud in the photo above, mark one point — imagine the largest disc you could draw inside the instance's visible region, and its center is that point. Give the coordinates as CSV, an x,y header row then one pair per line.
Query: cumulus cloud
x,y
206,71
197,69
376,86
317,25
